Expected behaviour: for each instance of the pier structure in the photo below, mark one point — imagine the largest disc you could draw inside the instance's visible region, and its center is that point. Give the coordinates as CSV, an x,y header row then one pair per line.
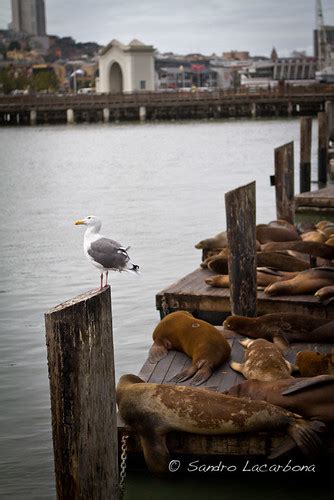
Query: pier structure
x,y
144,105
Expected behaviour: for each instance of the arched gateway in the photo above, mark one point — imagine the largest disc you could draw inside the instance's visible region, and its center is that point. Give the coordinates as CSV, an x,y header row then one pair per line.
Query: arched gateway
x,y
125,68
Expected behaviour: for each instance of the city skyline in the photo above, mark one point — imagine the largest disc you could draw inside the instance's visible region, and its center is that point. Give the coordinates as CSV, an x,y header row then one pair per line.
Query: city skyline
x,y
190,26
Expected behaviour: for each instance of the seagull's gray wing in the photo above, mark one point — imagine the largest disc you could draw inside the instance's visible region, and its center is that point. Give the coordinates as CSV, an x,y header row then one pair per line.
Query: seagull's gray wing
x,y
109,254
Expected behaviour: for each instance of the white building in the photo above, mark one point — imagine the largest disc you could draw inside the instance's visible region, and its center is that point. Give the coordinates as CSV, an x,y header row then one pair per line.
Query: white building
x,y
126,68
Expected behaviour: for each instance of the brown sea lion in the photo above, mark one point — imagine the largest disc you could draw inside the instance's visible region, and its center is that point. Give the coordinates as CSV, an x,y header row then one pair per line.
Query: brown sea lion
x,y
200,340
281,261
280,223
264,277
311,397
153,410
265,233
324,293
311,363
330,242
217,241
267,275
219,281
323,223
309,247
283,327
327,231
263,361
316,236
308,281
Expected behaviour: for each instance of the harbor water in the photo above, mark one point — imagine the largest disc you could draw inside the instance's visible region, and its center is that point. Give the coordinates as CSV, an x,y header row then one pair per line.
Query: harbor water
x,y
158,188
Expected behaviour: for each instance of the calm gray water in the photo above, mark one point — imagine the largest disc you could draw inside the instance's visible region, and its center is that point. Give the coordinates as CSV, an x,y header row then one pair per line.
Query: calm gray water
x,y
157,187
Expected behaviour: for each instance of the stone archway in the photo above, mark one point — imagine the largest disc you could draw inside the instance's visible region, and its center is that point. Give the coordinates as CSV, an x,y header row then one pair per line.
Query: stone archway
x,y
116,78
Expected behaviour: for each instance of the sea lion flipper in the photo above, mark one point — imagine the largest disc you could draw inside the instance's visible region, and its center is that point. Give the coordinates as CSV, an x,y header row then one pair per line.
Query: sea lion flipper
x,y
202,375
157,352
155,452
306,384
287,445
184,375
238,367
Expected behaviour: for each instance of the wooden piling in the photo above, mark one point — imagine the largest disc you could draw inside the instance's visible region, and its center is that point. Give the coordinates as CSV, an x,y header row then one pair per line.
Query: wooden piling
x,y
284,182
322,146
82,386
305,153
241,234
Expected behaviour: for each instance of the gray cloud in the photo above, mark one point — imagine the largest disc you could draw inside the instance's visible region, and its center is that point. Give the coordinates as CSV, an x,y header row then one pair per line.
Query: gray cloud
x,y
188,25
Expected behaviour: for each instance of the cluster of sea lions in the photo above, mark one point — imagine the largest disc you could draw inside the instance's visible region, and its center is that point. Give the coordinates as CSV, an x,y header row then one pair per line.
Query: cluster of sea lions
x,y
271,398
290,259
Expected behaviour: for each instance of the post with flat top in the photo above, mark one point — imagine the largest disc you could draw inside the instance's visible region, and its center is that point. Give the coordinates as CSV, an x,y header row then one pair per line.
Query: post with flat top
x,y
83,403
322,146
241,235
284,182
305,153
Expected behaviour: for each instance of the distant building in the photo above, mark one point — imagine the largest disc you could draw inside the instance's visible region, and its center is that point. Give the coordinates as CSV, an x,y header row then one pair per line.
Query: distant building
x,y
125,68
236,55
28,16
329,36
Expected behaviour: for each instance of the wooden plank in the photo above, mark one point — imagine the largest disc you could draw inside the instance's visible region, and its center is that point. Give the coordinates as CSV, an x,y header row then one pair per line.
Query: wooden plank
x,y
241,235
284,181
305,153
83,400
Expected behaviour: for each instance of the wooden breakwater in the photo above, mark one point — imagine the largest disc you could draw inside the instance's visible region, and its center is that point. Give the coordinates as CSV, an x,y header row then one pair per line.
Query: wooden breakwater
x,y
215,104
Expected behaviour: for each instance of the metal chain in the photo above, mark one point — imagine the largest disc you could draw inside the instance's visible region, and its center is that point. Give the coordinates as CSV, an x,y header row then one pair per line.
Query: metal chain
x,y
164,305
124,456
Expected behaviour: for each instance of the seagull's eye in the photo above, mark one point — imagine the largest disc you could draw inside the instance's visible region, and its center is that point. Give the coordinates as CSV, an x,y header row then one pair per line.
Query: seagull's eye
x,y
88,217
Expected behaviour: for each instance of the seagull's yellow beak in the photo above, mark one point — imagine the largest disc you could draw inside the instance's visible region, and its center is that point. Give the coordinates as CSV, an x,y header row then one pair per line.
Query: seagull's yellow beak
x,y
80,221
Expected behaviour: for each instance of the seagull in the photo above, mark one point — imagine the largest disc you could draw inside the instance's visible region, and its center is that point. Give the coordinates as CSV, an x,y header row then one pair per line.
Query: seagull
x,y
104,253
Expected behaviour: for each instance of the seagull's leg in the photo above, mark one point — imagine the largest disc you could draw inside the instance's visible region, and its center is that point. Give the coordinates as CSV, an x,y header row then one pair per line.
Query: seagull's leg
x,y
101,286
106,279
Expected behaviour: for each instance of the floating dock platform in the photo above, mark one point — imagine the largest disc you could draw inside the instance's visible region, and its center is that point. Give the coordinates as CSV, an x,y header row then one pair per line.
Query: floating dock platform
x,y
192,294
315,205
245,445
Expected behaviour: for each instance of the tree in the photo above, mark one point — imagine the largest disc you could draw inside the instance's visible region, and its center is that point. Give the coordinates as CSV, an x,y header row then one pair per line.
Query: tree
x,y
45,80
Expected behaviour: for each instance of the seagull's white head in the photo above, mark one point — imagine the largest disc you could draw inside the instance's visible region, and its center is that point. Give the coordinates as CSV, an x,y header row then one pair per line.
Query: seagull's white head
x,y
91,221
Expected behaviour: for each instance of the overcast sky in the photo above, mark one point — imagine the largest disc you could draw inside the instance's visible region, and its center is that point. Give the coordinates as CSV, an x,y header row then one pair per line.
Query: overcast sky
x,y
187,26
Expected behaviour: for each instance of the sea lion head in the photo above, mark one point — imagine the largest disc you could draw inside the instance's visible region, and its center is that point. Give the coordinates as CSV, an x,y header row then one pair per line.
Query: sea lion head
x,y
238,323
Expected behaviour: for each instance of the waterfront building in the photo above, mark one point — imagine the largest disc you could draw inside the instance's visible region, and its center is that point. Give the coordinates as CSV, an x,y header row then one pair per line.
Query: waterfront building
x,y
126,68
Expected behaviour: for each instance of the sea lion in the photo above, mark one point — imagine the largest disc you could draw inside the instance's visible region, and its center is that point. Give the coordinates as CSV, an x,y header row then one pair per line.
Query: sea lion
x,y
283,328
217,241
153,410
263,361
267,275
308,281
281,261
219,281
265,233
326,292
311,363
327,231
330,242
323,223
311,397
200,340
316,236
264,277
280,223
309,247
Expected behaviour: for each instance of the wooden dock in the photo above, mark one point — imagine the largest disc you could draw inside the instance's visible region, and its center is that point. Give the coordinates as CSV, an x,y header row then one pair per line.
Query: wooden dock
x,y
192,294
315,205
224,377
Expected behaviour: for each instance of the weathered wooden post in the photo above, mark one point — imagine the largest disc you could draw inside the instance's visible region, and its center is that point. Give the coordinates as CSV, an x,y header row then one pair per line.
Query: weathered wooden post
x,y
322,146
305,153
82,386
284,182
329,108
241,235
